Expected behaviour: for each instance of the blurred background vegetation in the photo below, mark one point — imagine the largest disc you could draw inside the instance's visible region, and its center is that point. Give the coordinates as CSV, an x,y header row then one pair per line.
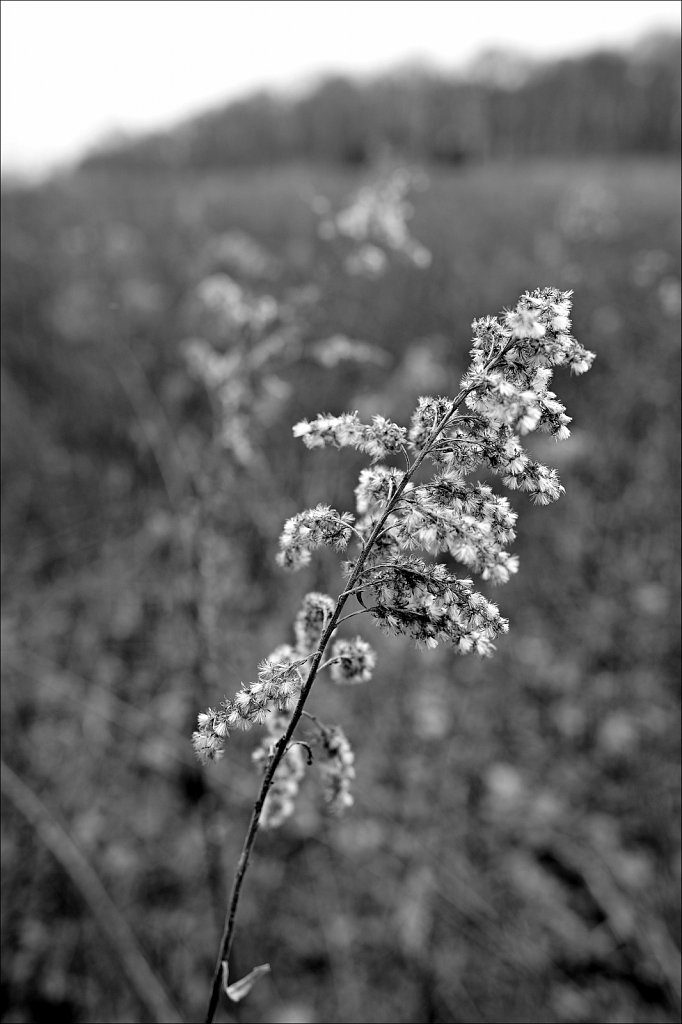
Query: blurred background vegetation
x,y
514,852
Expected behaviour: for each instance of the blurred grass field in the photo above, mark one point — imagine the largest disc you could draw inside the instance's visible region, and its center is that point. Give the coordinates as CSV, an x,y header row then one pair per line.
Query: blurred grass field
x,y
514,852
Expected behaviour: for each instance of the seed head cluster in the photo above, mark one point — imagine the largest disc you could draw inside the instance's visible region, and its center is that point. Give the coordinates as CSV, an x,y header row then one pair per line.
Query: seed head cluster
x,y
374,224
307,531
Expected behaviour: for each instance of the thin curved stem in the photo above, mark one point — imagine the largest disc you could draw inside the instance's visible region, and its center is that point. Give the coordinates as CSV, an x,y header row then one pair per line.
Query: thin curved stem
x,y
355,590
316,721
328,662
351,615
149,989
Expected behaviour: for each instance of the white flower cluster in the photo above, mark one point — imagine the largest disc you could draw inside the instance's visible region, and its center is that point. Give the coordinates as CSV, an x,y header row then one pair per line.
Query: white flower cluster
x,y
537,332
430,412
338,348
279,683
236,307
353,661
241,389
269,701
209,739
277,689
366,260
280,802
375,487
340,431
377,439
213,368
507,393
376,220
241,254
311,621
338,770
425,601
307,531
467,520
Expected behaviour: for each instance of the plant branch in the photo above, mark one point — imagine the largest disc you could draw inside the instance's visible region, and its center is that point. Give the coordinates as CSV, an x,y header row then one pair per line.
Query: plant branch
x,y
283,743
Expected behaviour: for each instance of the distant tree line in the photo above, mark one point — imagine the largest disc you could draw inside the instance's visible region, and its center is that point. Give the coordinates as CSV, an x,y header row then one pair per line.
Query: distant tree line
x,y
505,106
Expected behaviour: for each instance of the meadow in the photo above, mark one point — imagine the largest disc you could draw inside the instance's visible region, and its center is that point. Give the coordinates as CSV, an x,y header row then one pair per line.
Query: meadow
x,y
513,853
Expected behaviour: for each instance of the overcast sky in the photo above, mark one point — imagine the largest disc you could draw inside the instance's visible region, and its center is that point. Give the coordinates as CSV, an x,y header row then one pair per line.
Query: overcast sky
x,y
73,72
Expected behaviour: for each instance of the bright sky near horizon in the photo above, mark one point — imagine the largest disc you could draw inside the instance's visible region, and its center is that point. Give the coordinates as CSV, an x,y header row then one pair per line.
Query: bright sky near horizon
x,y
74,71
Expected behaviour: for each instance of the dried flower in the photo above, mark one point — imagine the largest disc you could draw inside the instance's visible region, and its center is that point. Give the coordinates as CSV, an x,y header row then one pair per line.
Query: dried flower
x,y
312,620
353,661
280,802
505,396
338,770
